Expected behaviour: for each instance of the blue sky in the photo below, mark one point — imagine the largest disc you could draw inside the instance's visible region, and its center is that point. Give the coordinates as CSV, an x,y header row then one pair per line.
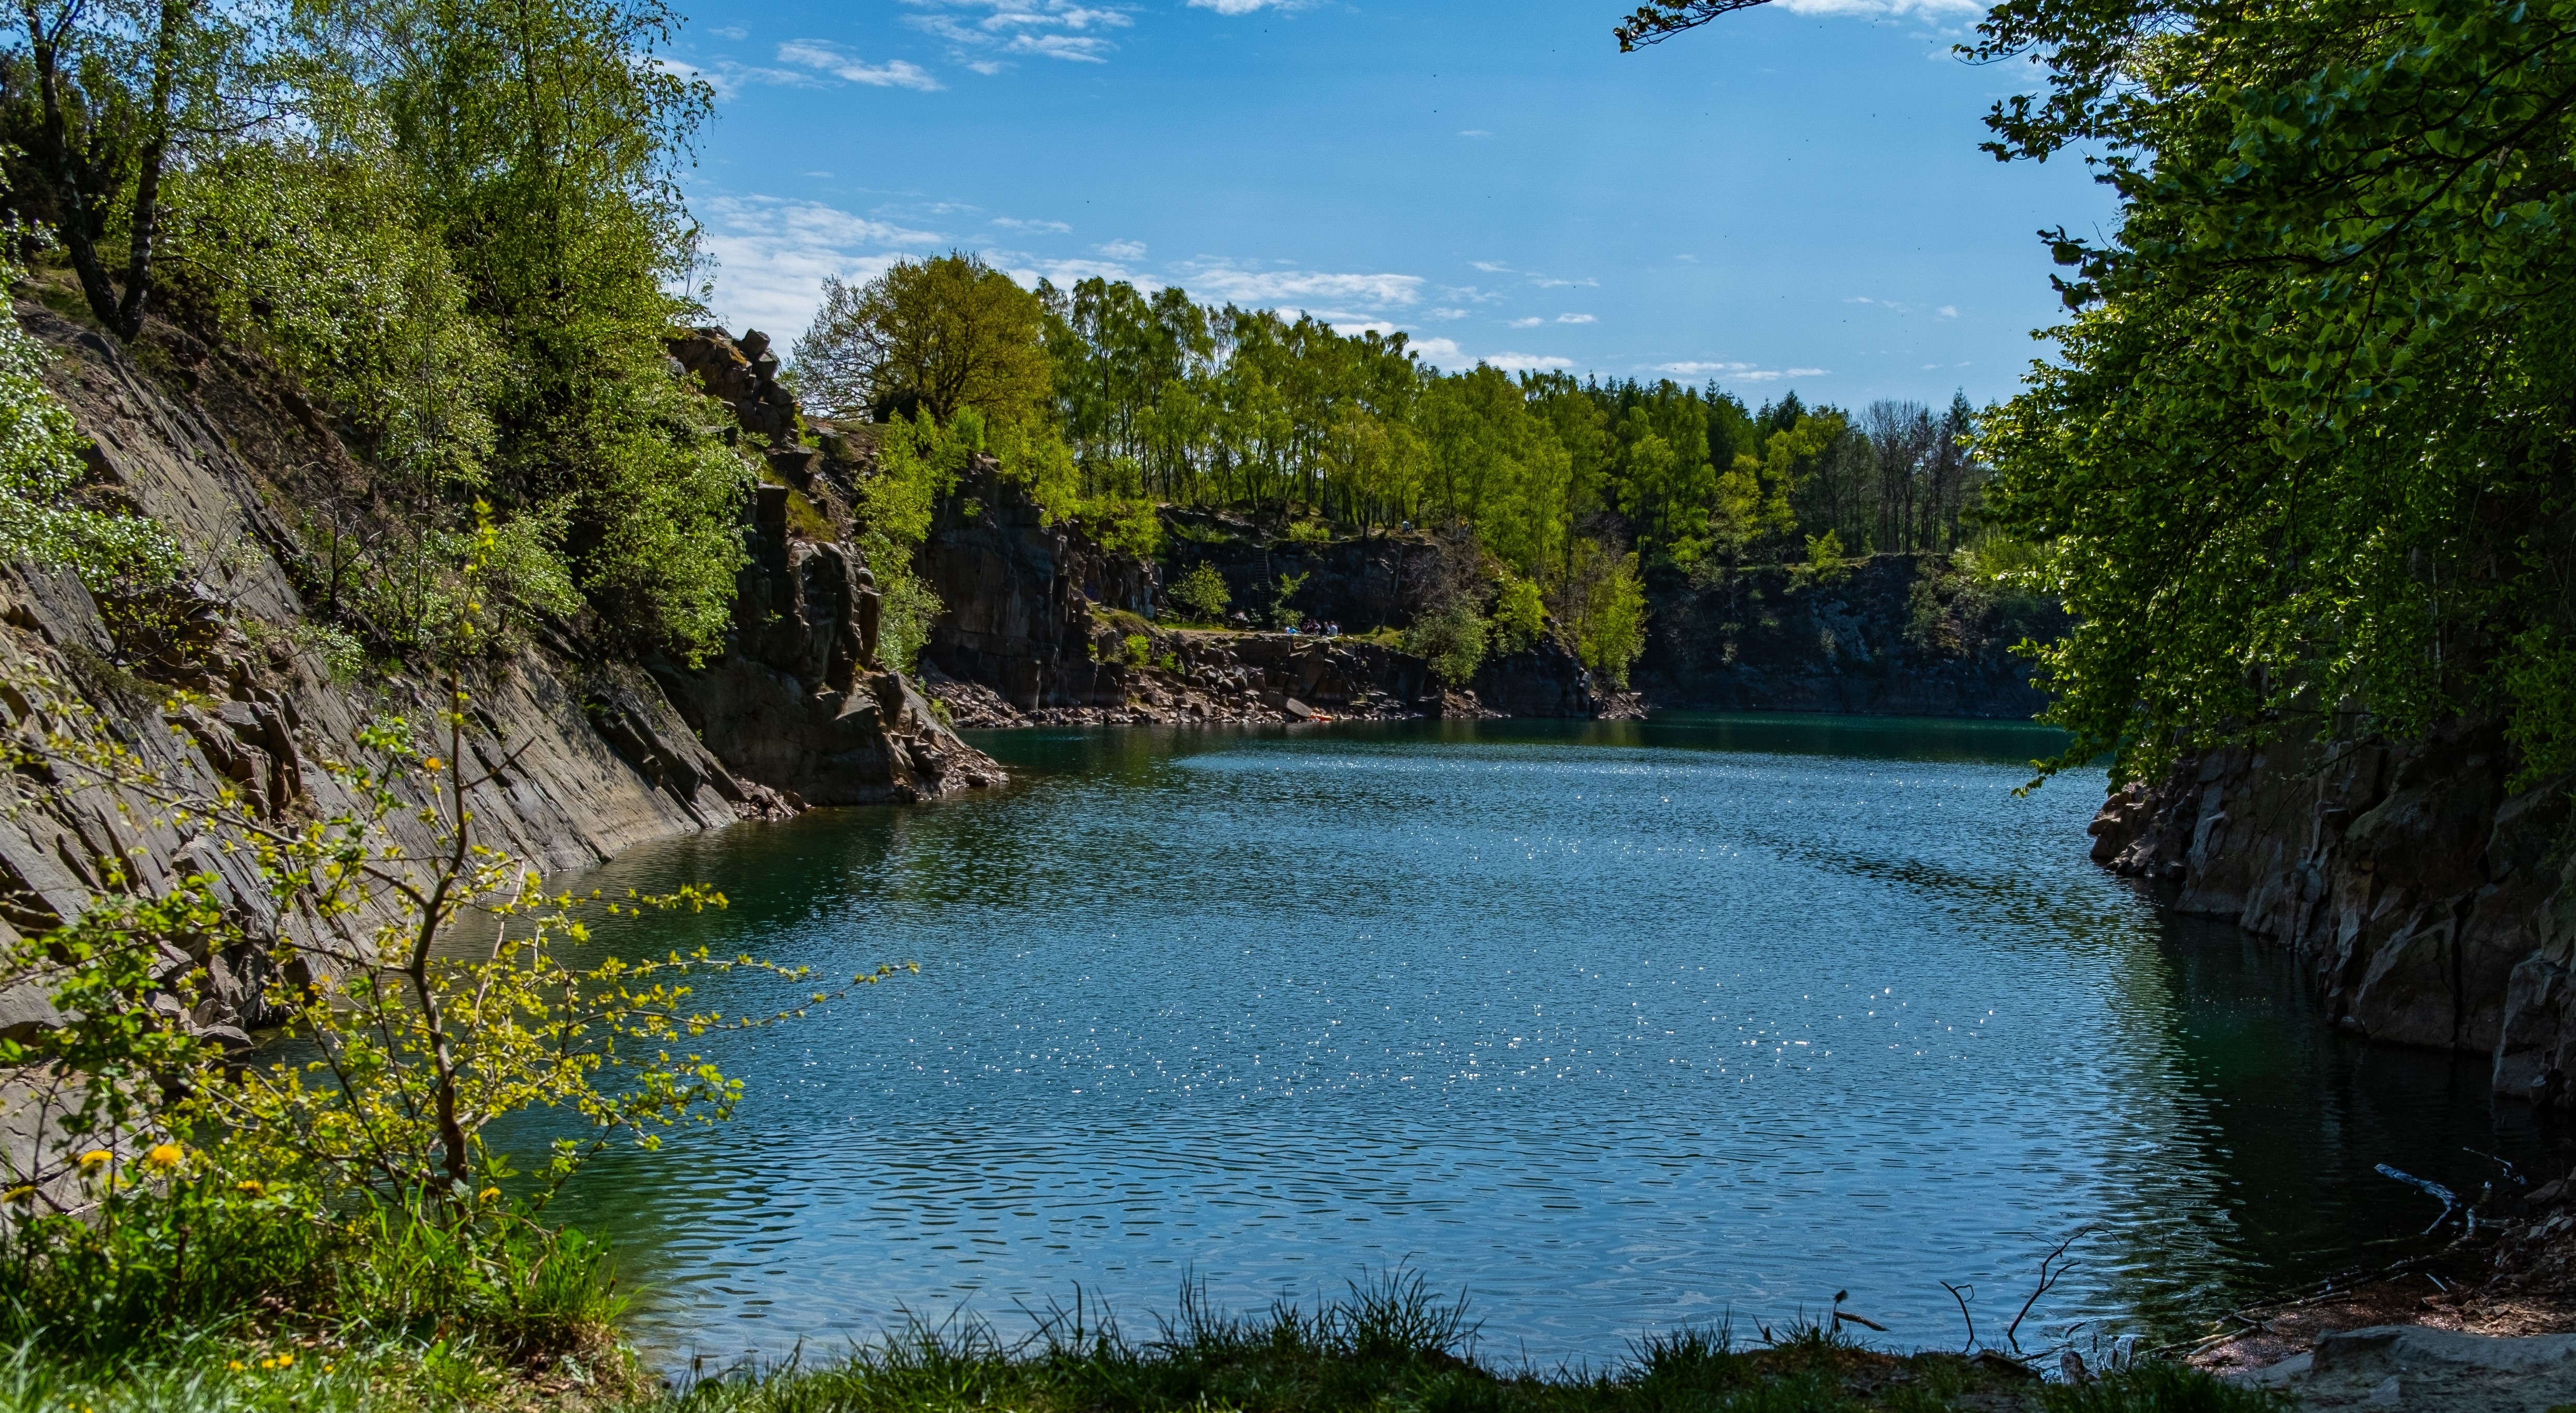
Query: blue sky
x,y
1789,197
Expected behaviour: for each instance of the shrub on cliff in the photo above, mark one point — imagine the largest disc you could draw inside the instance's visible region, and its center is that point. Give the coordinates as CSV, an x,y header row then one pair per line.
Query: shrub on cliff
x,y
454,224
1202,593
40,467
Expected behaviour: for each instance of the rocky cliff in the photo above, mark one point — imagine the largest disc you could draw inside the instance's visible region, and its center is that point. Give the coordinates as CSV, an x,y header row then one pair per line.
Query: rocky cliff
x,y
2427,904
591,752
1893,635
1042,625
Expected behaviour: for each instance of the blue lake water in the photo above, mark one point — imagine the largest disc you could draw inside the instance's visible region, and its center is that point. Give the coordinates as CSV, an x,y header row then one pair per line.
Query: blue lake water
x,y
1616,1027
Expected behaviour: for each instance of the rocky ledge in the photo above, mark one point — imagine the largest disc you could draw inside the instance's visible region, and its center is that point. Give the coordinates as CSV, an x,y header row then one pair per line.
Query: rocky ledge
x,y
2427,903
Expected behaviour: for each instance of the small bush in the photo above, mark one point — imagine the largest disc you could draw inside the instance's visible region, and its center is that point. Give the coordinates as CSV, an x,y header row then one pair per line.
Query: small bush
x,y
1203,593
1452,638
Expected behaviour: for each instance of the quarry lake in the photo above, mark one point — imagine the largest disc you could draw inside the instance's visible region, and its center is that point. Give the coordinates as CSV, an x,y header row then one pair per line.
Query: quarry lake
x,y
1616,1027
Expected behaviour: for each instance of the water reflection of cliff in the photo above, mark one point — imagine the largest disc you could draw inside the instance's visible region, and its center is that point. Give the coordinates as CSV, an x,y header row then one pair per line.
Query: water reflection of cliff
x,y
2271,1127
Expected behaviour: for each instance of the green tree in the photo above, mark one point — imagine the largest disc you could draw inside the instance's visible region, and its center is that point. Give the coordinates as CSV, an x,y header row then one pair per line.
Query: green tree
x,y
1452,638
936,336
1519,617
1202,591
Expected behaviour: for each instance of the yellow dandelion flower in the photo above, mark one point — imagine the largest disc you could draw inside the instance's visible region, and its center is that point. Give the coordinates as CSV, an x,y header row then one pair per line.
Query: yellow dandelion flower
x,y
433,763
489,1194
95,1158
286,1361
253,1186
23,1194
165,1155
235,1366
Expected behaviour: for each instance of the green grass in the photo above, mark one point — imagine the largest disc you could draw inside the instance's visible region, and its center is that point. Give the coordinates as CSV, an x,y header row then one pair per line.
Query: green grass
x,y
1396,1347
408,1317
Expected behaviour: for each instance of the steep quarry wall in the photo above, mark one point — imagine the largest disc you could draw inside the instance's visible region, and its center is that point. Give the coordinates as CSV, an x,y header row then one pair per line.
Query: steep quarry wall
x,y
1896,635
1037,620
592,754
2427,904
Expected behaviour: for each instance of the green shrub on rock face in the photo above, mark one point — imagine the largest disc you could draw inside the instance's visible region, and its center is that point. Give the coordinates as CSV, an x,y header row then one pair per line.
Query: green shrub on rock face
x,y
40,464
1452,638
1202,591
1520,616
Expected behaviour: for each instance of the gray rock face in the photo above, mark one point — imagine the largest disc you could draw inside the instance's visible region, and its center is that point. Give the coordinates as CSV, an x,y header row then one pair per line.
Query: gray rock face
x,y
1899,635
591,756
2426,905
2411,1369
1020,597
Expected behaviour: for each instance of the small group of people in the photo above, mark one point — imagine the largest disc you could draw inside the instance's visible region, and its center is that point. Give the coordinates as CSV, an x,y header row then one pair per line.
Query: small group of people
x,y
1313,629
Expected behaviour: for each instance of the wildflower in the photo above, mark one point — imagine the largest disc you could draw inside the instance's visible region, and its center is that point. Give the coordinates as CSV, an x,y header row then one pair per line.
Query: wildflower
x,y
165,1155
489,1194
432,764
253,1186
286,1359
23,1194
95,1158
234,1365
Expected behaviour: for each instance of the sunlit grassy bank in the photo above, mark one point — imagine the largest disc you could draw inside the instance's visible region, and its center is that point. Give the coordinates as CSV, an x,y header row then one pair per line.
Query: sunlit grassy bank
x,y
1390,1346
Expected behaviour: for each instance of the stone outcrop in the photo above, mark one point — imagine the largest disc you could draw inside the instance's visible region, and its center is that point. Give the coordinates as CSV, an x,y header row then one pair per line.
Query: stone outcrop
x,y
1362,582
2427,903
1038,617
1895,635
588,753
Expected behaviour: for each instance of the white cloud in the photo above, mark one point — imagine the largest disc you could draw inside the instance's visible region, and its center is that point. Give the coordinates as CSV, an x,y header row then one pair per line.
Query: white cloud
x,y
1438,350
1246,7
730,32
981,30
1303,289
1123,249
1029,269
1444,313
1529,323
1013,223
1527,362
1473,132
727,77
772,254
1543,282
1736,372
1379,327
819,55
1949,311
1576,319
1491,267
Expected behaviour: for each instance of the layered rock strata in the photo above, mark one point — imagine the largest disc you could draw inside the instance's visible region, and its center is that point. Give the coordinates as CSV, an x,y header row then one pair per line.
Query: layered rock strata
x,y
2427,903
590,754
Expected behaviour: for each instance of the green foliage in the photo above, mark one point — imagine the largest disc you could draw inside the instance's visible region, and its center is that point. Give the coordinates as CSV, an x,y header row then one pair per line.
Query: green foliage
x,y
175,1185
2303,442
1452,638
456,228
933,337
1825,557
1602,603
1203,593
1140,650
41,519
1309,532
1283,602
1519,617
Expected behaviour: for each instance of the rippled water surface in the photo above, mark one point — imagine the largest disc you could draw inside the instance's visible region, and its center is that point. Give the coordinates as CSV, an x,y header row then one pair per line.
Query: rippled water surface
x,y
1618,1027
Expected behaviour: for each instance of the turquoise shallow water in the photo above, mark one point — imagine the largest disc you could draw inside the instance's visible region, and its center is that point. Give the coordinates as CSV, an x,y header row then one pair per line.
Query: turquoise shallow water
x,y
1614,1026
